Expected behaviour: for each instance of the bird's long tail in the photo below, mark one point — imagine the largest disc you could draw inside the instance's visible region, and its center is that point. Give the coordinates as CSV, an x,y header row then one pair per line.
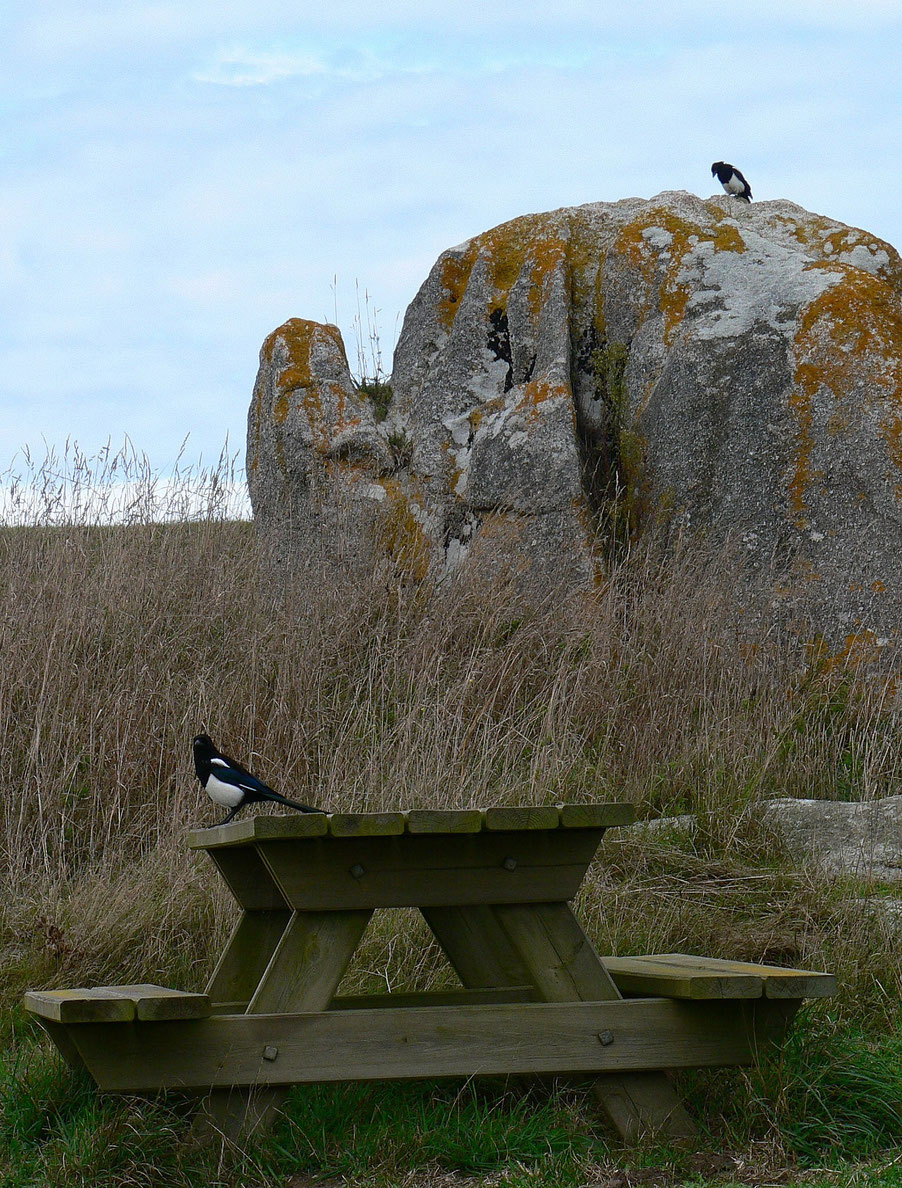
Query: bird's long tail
x,y
295,804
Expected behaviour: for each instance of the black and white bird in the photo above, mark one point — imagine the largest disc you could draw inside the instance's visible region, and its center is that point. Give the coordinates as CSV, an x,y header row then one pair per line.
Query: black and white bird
x,y
732,180
229,784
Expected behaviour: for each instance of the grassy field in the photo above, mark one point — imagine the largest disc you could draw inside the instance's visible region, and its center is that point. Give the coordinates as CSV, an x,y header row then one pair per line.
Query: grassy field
x,y
121,640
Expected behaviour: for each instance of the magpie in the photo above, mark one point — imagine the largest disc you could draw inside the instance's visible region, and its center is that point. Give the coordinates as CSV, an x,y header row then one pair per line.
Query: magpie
x,y
732,180
229,784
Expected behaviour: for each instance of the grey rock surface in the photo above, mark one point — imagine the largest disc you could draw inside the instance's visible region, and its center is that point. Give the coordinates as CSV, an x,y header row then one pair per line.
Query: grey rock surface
x,y
590,371
861,838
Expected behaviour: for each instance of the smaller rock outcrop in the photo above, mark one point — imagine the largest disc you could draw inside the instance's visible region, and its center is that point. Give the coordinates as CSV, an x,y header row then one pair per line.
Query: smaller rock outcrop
x,y
313,451
861,839
852,839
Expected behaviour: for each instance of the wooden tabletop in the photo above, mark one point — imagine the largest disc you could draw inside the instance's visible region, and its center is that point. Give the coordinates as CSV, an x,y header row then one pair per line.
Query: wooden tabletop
x,y
504,819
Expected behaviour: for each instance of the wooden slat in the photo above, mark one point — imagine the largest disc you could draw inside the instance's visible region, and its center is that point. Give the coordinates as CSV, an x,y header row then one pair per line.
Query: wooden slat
x,y
302,974
431,998
593,816
247,953
116,1004
97,1004
777,981
556,952
545,816
366,824
429,870
155,1003
642,975
309,961
404,998
241,832
444,820
504,817
228,1050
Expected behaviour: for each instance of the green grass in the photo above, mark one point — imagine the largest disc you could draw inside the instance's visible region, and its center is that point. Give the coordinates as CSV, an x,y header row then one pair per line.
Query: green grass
x,y
827,1110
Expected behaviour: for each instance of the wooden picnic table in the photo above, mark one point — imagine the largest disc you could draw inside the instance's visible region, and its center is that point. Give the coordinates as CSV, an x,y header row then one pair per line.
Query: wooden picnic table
x,y
494,887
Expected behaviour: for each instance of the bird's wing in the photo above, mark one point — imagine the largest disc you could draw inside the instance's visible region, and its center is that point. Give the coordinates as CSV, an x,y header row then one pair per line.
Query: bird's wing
x,y
238,777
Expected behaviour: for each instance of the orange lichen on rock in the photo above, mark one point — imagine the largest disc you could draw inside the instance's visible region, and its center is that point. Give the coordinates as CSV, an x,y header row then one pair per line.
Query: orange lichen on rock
x,y
801,402
455,272
529,242
536,393
289,352
849,343
528,245
649,259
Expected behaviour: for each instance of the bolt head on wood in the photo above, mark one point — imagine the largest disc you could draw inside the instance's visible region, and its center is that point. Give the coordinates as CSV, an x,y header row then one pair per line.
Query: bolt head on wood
x,y
509,863
270,1053
606,1038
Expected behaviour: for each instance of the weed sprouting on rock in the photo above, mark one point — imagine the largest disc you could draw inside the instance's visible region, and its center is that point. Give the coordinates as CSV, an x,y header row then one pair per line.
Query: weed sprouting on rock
x,y
378,392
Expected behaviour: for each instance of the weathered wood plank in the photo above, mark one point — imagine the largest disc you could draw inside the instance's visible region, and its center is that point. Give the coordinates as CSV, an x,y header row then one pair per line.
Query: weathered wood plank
x,y
274,1050
252,828
444,820
556,952
403,998
248,877
536,816
476,946
505,817
431,998
309,961
116,1004
594,816
247,953
641,975
153,1003
644,1106
306,964
429,870
366,824
96,1004
778,981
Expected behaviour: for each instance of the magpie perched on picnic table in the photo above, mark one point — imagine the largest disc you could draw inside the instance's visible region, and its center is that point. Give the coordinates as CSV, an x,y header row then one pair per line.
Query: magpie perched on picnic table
x,y
229,784
732,180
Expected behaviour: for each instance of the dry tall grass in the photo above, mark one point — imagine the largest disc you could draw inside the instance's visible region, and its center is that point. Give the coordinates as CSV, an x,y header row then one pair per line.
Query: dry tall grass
x,y
122,640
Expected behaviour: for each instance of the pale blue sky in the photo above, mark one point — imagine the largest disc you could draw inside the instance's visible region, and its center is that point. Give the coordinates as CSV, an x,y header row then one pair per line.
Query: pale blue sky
x,y
177,179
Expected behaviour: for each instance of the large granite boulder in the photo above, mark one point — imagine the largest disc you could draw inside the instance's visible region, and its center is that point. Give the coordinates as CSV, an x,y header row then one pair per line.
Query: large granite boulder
x,y
569,378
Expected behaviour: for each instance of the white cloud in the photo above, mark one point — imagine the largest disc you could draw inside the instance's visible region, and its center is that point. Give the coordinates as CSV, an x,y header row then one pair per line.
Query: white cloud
x,y
248,68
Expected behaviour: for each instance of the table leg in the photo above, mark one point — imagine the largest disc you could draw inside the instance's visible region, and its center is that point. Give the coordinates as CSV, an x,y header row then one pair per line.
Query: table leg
x,y
476,946
302,974
246,956
562,964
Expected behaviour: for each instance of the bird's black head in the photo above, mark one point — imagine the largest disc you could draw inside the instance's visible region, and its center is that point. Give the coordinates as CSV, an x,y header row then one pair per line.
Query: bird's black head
x,y
721,170
204,751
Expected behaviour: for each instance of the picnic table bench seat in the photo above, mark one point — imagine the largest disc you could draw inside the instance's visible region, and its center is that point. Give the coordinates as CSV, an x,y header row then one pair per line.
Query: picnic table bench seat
x,y
658,975
493,885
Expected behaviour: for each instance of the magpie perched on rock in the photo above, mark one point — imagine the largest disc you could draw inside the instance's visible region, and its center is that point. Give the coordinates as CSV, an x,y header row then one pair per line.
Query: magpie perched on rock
x,y
732,180
229,784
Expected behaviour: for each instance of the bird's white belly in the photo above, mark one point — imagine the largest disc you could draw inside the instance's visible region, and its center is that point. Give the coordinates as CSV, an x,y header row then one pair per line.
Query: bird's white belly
x,y
734,185
225,794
